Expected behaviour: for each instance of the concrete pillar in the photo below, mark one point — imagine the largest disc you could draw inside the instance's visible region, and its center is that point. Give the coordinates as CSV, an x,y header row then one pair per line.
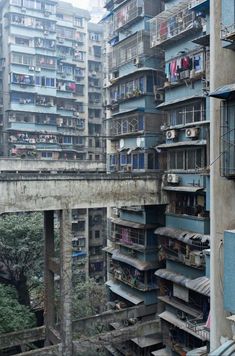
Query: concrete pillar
x,y
49,250
65,281
222,71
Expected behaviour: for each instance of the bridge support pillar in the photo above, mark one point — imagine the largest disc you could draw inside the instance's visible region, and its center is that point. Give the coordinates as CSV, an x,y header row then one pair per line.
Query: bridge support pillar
x,y
49,252
65,282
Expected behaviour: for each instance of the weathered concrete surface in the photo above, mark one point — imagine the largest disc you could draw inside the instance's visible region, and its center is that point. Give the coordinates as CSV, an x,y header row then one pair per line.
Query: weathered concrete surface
x,y
21,337
33,165
54,350
117,336
37,192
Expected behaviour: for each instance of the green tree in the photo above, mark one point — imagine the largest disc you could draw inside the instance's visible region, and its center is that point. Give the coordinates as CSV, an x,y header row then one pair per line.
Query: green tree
x,y
21,252
13,315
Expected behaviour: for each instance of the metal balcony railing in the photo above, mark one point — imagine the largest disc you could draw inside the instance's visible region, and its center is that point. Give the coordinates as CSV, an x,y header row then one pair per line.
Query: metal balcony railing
x,y
128,13
172,24
228,32
199,327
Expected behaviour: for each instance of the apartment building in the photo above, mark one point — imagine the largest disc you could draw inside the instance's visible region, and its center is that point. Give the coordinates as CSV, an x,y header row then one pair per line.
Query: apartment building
x,y
182,31
45,80
133,129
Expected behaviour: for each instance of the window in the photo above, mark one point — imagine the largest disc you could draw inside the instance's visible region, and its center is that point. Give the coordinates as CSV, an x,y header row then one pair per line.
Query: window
x,y
176,159
187,114
22,41
68,139
78,21
16,2
186,159
138,161
97,157
195,158
45,62
46,154
97,234
22,59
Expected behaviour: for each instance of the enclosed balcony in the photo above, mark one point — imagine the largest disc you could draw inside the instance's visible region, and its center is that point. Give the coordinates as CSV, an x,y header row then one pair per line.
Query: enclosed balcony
x,y
173,24
132,49
135,276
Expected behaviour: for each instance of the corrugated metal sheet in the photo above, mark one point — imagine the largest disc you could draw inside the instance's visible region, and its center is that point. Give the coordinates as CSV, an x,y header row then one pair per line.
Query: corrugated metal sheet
x,y
225,349
178,100
124,292
190,238
224,92
200,285
109,249
201,351
140,265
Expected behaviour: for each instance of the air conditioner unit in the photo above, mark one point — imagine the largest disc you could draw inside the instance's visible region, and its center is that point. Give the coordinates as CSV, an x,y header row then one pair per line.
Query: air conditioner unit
x,y
37,69
192,132
47,13
137,61
31,68
171,134
196,258
76,113
173,178
159,96
46,33
116,211
23,9
61,40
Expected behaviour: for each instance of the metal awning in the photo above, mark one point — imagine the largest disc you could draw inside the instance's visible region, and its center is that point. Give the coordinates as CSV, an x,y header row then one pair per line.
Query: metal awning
x,y
172,318
140,265
200,285
189,188
187,237
109,249
225,92
182,144
124,292
137,109
134,225
201,351
227,348
179,100
161,352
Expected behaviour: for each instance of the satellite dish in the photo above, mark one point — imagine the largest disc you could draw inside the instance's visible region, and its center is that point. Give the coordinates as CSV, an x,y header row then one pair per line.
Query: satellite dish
x,y
122,143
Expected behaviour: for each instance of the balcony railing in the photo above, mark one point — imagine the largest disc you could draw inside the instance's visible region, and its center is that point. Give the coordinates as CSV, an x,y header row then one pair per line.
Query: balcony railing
x,y
130,50
132,280
171,25
228,32
128,13
199,327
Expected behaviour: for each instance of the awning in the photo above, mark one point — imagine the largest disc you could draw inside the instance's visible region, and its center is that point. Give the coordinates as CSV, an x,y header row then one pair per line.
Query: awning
x,y
182,144
179,100
200,285
180,188
137,109
140,265
80,253
224,92
124,292
201,351
109,249
131,224
187,237
161,352
228,348
172,318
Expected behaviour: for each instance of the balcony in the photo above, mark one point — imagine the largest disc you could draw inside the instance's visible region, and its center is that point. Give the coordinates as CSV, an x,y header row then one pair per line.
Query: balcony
x,y
188,223
128,14
199,5
228,33
171,25
143,281
131,49
127,233
198,326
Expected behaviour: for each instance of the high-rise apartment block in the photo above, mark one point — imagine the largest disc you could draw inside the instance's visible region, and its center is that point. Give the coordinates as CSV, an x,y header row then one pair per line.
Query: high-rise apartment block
x,y
50,59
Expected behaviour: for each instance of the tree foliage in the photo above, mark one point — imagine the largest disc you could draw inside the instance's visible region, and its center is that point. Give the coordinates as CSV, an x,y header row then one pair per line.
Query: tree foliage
x,y
13,315
21,251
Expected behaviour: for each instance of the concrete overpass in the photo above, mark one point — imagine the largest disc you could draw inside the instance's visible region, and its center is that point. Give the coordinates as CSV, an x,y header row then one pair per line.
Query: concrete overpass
x,y
48,186
37,186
